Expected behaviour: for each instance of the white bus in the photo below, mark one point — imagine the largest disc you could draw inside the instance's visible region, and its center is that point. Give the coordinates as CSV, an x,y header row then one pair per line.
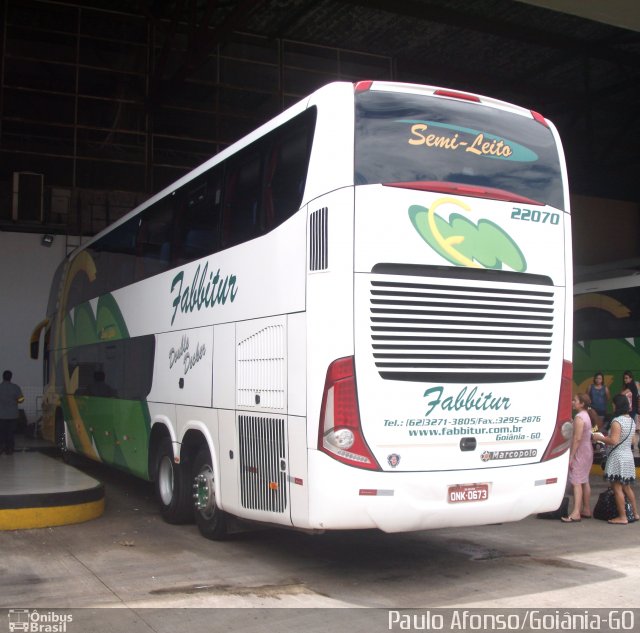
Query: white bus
x,y
357,316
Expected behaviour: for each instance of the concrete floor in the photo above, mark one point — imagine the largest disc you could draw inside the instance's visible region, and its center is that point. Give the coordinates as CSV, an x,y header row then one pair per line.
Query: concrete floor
x,y
163,577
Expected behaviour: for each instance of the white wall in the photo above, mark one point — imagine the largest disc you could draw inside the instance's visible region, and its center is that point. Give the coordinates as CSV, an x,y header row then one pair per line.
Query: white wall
x,y
27,269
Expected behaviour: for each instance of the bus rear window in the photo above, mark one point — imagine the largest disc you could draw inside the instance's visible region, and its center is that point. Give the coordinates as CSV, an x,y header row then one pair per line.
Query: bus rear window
x,y
413,138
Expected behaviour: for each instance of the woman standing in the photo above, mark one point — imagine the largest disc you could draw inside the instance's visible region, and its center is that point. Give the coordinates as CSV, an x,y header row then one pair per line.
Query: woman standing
x,y
581,458
630,389
620,470
600,396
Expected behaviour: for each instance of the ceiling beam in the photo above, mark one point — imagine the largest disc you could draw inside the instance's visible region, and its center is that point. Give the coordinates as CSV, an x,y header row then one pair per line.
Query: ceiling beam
x,y
427,12
203,39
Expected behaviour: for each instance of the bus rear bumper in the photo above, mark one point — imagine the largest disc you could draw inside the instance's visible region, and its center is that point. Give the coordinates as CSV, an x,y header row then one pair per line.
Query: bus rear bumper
x,y
349,498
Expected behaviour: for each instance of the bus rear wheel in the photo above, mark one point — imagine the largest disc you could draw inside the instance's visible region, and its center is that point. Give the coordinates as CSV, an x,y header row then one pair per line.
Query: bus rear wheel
x,y
172,486
210,519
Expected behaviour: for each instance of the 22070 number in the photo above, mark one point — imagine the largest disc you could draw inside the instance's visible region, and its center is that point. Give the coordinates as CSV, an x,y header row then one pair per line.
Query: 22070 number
x,y
533,215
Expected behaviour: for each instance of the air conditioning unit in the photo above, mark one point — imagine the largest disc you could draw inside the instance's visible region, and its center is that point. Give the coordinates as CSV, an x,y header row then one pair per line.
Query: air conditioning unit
x,y
27,197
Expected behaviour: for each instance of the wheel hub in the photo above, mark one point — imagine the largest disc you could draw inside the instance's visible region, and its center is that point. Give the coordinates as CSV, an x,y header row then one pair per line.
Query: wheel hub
x,y
165,480
204,496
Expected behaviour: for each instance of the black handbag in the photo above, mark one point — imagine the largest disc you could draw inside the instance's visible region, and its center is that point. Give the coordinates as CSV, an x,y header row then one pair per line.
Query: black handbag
x,y
606,508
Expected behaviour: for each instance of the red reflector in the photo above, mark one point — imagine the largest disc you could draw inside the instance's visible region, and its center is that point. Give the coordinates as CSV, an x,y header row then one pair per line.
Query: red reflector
x,y
298,481
473,191
363,86
457,95
551,480
539,118
368,492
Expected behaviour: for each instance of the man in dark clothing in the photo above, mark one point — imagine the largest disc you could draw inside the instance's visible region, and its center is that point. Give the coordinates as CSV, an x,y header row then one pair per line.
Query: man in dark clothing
x,y
10,397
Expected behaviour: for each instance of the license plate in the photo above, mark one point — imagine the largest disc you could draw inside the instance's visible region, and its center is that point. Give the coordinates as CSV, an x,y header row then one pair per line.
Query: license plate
x,y
468,492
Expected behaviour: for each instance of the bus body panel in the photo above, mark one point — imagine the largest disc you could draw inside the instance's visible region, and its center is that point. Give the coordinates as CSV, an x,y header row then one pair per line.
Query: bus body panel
x,y
182,373
229,475
424,329
331,160
164,414
393,226
112,431
194,295
329,317
568,329
298,471
201,420
349,498
297,364
224,381
241,283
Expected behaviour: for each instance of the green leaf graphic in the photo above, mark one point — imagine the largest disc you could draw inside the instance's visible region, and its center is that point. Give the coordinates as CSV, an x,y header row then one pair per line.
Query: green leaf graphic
x,y
485,243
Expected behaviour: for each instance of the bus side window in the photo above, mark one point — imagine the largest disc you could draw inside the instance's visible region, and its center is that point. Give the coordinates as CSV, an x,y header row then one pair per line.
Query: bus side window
x,y
114,256
153,244
242,198
138,361
81,368
81,290
198,207
287,168
52,305
286,176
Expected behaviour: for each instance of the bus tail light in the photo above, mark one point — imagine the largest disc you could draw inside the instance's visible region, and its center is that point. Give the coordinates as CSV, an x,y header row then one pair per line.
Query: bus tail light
x,y
539,118
455,94
340,432
561,438
363,86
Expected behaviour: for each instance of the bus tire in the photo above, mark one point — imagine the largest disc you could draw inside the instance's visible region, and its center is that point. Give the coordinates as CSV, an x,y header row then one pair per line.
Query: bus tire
x,y
173,486
210,519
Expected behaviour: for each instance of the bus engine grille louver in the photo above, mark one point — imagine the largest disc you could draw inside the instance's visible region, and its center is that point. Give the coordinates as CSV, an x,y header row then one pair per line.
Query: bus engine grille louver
x,y
318,238
263,459
434,332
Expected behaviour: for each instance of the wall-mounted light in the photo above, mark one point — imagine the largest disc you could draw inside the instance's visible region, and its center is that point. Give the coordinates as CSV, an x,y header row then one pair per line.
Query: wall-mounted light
x,y
46,240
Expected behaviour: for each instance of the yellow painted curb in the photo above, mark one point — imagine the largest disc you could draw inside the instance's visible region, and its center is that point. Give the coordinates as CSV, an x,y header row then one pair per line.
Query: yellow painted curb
x,y
27,518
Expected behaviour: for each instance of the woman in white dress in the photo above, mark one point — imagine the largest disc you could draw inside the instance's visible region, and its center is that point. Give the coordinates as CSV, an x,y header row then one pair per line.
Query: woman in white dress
x,y
620,469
